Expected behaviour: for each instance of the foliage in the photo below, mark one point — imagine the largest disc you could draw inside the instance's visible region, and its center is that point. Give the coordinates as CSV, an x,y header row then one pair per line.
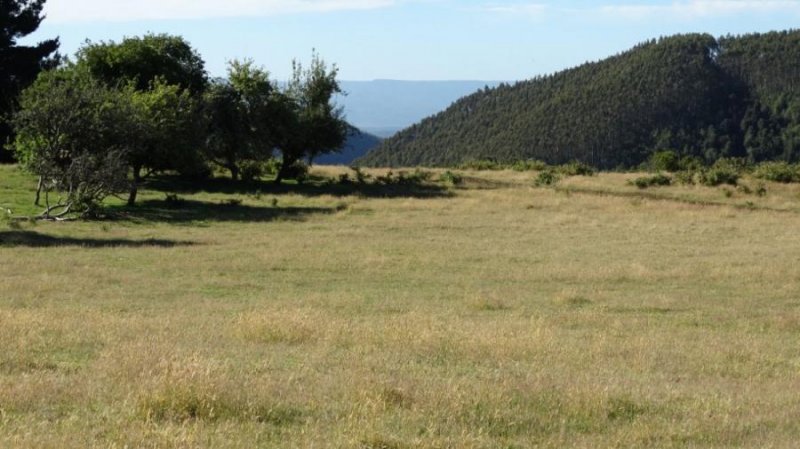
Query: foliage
x,y
241,112
19,64
547,177
528,165
74,133
692,94
724,171
143,60
777,172
665,160
307,121
451,178
644,182
576,168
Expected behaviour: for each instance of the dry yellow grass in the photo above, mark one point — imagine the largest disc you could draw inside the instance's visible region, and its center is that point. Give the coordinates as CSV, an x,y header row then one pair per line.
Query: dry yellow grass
x,y
500,316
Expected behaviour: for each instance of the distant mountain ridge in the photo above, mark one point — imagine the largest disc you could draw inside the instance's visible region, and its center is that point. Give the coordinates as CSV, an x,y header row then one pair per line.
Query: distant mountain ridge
x,y
701,96
394,104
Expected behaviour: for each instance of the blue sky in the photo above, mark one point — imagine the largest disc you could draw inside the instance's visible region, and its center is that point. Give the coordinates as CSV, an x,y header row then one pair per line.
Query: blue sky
x,y
411,39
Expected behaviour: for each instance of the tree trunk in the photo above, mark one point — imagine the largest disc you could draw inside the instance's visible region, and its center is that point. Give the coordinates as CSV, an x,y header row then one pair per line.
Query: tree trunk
x,y
38,191
137,178
283,170
234,171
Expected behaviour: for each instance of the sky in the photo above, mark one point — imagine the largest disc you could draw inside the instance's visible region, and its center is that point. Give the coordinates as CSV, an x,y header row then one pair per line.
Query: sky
x,y
411,39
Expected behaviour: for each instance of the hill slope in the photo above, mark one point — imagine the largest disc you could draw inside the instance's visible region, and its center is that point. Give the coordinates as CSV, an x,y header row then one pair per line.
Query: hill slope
x,y
733,96
357,145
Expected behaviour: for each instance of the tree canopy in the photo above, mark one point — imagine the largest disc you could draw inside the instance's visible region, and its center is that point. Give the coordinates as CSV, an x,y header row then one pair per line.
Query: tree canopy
x,y
19,64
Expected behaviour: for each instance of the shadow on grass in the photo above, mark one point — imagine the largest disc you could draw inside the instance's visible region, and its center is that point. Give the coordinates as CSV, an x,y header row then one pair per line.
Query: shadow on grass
x,y
33,239
314,187
187,211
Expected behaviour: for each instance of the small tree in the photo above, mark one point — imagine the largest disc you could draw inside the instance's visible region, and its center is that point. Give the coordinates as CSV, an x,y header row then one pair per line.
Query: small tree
x,y
241,112
73,133
166,132
307,122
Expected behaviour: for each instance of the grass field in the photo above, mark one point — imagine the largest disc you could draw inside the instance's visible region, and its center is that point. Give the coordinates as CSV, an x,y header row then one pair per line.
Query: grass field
x,y
492,315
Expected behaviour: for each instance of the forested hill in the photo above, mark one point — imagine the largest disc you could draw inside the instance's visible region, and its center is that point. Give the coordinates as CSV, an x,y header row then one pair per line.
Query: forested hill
x,y
712,98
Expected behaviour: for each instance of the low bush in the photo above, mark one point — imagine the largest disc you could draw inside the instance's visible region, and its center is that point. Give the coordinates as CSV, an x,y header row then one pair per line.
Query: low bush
x,y
777,172
666,160
480,165
724,171
451,178
576,169
547,178
651,181
529,165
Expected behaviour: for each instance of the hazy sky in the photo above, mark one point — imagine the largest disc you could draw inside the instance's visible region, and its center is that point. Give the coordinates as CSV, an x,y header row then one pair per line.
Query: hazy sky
x,y
411,39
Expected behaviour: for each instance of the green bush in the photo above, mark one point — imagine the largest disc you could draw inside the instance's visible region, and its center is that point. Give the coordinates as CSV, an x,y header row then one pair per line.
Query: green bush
x,y
250,171
686,177
480,165
777,172
576,169
451,178
724,171
651,181
529,165
666,160
547,177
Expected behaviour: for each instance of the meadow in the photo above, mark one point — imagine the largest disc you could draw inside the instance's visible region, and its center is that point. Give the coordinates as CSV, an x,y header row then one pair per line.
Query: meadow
x,y
486,314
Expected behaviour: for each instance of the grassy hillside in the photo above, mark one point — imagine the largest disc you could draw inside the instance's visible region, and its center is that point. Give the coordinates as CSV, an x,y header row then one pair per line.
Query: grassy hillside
x,y
490,314
701,96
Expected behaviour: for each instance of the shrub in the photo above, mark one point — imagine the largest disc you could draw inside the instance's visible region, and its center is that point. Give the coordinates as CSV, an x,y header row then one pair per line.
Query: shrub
x,y
297,171
361,177
777,172
547,178
251,171
576,169
665,161
651,181
686,177
529,165
451,178
480,164
720,173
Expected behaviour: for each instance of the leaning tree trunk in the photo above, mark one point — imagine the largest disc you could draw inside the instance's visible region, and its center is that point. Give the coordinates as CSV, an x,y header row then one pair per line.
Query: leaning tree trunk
x,y
137,178
39,187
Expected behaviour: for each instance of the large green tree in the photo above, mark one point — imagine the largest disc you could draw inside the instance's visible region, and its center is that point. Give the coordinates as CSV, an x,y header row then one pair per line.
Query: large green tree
x,y
19,64
164,78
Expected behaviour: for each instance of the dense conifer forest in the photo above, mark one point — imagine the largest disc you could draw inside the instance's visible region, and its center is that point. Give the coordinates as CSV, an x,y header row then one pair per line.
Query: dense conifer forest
x,y
736,96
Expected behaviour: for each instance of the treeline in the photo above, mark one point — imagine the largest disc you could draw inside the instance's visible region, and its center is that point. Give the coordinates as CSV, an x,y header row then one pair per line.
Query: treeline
x,y
100,124
693,94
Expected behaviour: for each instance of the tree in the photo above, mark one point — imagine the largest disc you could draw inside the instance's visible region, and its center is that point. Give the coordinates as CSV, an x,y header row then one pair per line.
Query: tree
x,y
166,131
19,64
241,112
164,78
307,121
142,60
74,132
